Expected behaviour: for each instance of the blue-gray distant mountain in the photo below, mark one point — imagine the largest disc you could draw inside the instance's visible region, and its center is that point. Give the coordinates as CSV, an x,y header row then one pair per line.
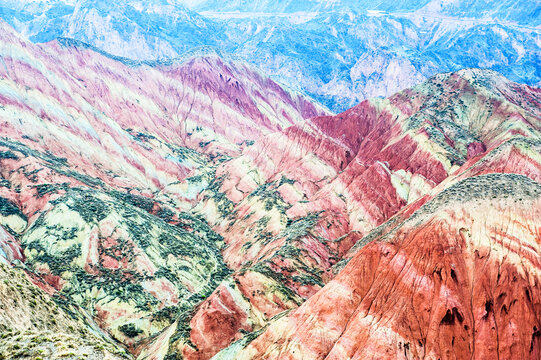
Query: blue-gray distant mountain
x,y
343,57
138,29
340,51
521,11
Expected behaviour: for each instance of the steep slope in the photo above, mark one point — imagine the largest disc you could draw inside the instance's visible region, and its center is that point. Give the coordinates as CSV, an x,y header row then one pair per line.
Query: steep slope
x,y
457,278
183,205
143,115
301,199
418,156
98,158
401,147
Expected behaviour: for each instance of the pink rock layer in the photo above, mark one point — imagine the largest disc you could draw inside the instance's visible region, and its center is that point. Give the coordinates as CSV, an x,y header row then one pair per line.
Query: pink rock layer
x,y
380,159
459,278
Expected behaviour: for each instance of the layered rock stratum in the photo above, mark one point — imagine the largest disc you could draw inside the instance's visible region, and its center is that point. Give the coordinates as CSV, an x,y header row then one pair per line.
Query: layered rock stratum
x,y
196,209
458,278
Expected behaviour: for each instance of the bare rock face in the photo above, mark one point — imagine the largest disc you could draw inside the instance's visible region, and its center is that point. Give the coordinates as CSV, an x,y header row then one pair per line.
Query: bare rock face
x,y
195,208
458,278
310,197
100,161
136,111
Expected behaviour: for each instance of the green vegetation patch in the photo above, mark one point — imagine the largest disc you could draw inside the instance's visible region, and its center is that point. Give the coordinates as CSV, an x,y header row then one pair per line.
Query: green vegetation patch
x,y
300,226
130,330
139,201
8,208
44,189
186,254
226,207
91,208
8,155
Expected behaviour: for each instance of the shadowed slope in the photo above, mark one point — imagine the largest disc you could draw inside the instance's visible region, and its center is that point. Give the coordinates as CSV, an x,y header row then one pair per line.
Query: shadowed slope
x,y
302,198
459,277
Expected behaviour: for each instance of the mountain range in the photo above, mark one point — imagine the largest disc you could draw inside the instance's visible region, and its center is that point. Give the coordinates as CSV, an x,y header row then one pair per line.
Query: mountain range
x,y
338,52
194,208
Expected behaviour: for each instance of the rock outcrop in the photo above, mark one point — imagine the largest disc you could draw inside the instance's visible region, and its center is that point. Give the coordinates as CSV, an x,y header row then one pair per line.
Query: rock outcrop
x,y
303,198
191,208
100,159
458,278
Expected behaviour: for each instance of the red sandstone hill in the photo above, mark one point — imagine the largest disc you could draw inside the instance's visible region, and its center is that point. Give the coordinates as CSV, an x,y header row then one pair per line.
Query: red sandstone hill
x,y
99,160
317,189
196,208
458,278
